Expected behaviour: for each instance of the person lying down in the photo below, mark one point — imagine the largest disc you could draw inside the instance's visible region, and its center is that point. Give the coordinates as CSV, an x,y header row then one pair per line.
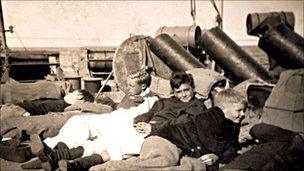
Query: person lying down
x,y
183,103
44,106
98,137
119,137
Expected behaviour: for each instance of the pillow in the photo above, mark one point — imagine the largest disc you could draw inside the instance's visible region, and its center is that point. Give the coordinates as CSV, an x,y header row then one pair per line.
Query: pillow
x,y
204,80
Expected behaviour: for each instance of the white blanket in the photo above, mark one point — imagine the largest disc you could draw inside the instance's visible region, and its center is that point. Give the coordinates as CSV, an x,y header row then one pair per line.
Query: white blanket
x,y
113,132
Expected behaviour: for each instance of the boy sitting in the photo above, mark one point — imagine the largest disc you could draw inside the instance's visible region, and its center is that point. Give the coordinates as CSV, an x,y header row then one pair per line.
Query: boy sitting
x,y
211,135
183,104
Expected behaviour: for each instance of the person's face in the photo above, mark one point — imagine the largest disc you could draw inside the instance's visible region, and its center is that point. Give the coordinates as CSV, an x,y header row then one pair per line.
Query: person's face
x,y
133,87
73,97
234,112
184,93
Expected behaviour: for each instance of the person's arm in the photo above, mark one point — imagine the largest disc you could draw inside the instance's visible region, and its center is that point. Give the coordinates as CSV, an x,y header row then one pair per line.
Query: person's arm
x,y
89,107
180,116
160,122
170,113
157,121
146,117
217,135
265,133
154,124
128,102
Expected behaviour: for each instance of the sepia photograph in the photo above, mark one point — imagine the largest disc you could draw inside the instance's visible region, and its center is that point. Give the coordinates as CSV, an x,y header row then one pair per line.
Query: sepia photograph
x,y
136,85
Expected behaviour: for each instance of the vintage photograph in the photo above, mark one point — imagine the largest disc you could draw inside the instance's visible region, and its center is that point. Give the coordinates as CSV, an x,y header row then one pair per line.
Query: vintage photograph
x,y
152,85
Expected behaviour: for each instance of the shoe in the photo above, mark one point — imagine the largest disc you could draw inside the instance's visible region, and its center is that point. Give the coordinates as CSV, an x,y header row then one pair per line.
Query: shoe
x,y
83,163
49,158
43,152
65,165
61,145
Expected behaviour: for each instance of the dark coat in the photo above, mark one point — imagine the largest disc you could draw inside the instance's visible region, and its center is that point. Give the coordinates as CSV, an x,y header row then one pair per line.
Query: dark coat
x,y
43,106
207,132
279,149
169,109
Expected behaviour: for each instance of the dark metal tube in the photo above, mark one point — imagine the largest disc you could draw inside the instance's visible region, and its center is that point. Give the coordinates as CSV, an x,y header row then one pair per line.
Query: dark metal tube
x,y
254,20
284,46
183,35
173,55
100,65
232,58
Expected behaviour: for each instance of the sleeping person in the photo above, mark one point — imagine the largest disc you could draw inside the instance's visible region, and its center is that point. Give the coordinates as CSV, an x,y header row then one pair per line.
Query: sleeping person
x,y
101,137
44,106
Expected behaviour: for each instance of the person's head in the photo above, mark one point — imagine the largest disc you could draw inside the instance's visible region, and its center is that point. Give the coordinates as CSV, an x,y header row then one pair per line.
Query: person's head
x,y
79,95
232,103
138,82
182,85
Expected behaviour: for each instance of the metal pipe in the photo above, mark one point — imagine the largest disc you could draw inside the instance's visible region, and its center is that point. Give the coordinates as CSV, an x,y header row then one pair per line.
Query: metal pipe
x,y
254,20
232,58
183,35
284,46
100,65
172,54
92,84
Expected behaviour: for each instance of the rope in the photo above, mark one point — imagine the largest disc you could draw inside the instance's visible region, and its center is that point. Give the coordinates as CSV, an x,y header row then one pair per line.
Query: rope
x,y
104,84
219,19
193,11
20,40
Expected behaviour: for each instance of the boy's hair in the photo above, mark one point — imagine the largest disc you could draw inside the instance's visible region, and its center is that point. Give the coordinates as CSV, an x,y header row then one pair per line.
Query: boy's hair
x,y
179,78
142,77
86,96
229,96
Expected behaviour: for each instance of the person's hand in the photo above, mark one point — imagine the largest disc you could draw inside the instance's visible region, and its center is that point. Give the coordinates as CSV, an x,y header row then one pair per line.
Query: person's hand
x,y
244,138
209,159
26,114
244,134
143,127
105,155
